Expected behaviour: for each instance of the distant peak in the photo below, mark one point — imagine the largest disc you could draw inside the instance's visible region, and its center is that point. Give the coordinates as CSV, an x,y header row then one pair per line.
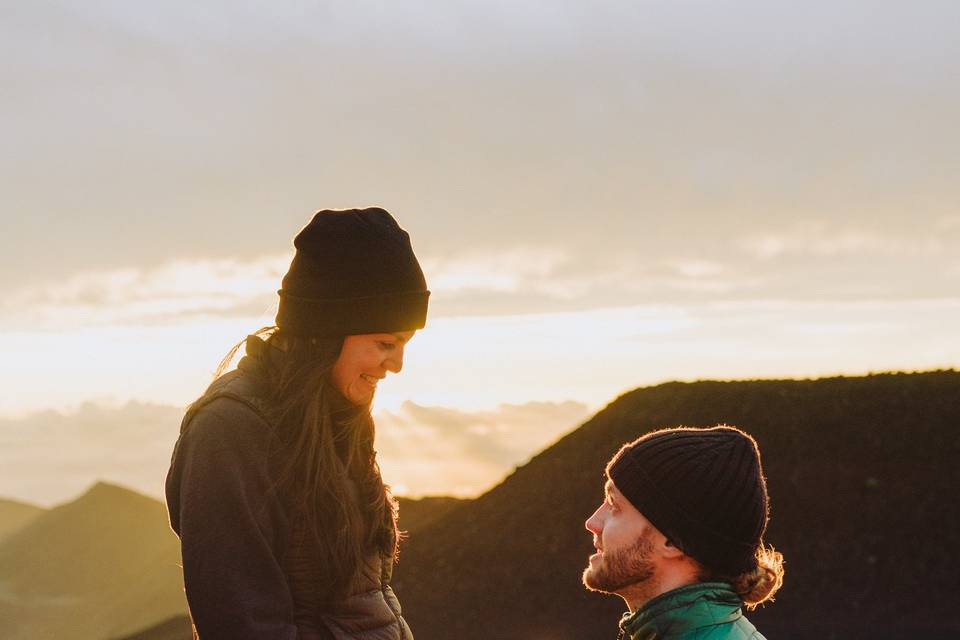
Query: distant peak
x,y
102,490
103,486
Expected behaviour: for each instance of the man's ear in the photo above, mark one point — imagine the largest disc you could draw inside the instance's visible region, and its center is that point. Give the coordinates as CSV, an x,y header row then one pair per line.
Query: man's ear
x,y
669,550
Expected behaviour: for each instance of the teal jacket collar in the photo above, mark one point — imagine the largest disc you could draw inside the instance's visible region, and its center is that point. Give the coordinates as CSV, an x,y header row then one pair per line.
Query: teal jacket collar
x,y
682,611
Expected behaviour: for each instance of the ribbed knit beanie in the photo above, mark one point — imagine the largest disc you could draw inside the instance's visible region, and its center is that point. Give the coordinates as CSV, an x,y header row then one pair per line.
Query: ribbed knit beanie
x,y
353,272
702,488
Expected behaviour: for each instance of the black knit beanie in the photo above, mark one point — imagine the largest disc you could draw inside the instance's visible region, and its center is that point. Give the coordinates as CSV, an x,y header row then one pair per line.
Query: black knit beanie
x,y
702,488
353,272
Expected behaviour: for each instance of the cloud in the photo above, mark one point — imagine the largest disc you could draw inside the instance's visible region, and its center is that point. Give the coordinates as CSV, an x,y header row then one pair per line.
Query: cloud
x,y
438,450
528,279
513,279
532,279
512,270
820,239
948,224
49,456
176,290
809,260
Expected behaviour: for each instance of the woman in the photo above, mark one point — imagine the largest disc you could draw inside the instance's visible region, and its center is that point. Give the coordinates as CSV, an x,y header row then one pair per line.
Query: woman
x,y
286,527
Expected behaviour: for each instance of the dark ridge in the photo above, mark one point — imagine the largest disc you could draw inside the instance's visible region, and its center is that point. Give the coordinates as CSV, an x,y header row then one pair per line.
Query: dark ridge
x,y
863,480
418,513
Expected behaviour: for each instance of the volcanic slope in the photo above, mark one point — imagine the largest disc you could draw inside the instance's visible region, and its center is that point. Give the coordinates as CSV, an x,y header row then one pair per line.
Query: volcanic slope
x,y
863,477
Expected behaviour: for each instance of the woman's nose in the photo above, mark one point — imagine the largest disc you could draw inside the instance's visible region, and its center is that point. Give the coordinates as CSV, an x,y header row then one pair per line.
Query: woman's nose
x,y
394,362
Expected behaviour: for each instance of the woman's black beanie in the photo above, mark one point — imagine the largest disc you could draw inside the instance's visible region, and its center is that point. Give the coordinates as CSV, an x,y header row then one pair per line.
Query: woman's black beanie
x,y
702,488
353,272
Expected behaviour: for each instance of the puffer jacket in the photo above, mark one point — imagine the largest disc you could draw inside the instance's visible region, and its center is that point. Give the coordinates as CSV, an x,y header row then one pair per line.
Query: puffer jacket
x,y
246,573
702,611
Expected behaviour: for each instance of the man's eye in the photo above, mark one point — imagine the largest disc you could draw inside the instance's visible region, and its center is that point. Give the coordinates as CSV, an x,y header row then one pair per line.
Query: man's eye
x,y
387,345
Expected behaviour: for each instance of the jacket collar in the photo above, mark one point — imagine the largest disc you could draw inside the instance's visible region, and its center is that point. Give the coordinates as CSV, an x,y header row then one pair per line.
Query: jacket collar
x,y
683,610
260,356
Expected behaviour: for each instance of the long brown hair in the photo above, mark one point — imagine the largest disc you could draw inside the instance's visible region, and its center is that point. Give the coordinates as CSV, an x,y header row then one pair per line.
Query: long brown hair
x,y
327,469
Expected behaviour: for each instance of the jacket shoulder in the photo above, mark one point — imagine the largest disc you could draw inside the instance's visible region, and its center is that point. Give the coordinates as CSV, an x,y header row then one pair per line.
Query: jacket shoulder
x,y
223,449
231,398
741,629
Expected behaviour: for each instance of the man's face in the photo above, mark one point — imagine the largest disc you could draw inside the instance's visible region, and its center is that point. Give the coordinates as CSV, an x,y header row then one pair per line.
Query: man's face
x,y
624,541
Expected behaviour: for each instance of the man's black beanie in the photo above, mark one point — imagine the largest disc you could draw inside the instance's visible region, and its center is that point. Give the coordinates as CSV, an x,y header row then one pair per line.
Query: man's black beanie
x,y
702,488
353,272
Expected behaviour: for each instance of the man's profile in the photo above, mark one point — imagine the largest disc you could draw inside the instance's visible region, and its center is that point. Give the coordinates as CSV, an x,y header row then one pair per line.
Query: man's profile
x,y
680,535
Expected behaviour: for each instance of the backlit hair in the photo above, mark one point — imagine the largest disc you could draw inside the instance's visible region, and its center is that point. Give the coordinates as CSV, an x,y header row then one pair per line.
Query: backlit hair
x,y
758,585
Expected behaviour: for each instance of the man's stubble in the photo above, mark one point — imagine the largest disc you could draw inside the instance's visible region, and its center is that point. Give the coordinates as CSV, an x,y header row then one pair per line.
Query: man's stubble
x,y
624,568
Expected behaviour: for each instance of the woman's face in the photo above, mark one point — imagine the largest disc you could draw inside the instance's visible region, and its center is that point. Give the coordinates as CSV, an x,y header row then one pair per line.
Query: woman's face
x,y
365,360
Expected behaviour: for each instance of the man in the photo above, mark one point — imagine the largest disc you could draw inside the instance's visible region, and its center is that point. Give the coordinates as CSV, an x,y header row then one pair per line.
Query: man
x,y
680,535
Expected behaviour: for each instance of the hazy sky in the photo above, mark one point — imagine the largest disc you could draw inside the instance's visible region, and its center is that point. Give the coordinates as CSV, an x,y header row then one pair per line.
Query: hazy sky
x,y
603,194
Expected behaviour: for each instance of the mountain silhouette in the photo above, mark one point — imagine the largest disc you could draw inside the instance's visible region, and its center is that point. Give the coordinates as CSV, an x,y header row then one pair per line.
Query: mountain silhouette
x,y
418,513
103,565
106,565
863,482
15,515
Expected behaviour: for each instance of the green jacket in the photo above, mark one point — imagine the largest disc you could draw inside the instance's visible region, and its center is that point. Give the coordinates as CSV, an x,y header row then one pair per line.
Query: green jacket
x,y
702,611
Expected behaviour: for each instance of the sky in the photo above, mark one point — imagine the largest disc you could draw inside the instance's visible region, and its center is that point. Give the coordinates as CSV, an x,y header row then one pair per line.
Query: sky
x,y
602,195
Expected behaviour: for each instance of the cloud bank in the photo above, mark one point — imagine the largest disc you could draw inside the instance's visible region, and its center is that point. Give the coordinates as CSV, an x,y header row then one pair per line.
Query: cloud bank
x,y
802,261
50,456
438,450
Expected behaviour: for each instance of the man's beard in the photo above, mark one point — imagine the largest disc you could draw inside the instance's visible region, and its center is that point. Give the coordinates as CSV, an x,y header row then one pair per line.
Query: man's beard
x,y
619,569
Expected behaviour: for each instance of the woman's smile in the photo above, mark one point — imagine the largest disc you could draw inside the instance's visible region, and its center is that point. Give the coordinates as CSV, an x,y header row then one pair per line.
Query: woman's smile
x,y
371,380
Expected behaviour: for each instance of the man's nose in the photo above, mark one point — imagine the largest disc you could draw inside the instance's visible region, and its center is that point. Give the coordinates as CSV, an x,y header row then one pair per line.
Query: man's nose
x,y
593,523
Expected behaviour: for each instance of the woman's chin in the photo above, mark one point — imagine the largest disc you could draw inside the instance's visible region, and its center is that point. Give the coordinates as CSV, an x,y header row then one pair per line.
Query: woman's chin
x,y
360,397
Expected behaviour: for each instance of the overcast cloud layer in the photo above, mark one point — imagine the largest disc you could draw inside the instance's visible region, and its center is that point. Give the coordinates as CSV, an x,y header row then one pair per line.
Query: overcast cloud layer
x,y
787,147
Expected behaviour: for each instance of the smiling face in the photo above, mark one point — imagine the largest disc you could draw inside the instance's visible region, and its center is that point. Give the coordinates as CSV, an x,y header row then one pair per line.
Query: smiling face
x,y
625,542
365,360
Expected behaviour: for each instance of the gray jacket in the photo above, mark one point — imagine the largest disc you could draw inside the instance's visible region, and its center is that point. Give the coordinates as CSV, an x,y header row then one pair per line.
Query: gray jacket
x,y
244,577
